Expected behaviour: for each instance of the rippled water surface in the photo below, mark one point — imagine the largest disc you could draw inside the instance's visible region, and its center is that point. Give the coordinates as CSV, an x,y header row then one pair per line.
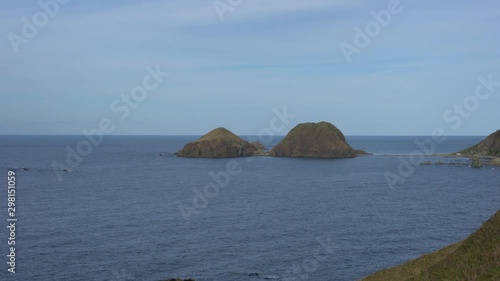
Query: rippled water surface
x,y
118,215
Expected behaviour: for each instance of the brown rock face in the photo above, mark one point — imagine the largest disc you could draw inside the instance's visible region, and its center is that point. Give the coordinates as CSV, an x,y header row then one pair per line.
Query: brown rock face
x,y
316,140
488,147
218,143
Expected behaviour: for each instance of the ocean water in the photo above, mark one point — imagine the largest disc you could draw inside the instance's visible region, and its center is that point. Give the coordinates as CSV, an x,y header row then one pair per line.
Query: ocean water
x,y
117,216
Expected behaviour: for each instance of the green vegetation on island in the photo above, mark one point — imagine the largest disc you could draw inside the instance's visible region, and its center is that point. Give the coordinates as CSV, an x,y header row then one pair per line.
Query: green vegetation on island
x,y
219,143
315,140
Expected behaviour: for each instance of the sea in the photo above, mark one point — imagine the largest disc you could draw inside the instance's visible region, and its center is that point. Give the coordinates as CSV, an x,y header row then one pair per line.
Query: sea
x,y
128,209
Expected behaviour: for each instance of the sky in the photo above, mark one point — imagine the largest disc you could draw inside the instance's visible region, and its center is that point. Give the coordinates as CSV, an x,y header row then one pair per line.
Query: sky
x,y
234,63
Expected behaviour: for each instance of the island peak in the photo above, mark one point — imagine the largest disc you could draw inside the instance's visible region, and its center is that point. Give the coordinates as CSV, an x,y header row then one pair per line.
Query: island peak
x,y
218,143
315,140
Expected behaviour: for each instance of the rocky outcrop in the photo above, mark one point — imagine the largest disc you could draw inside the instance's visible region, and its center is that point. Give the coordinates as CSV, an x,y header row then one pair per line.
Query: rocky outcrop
x,y
258,145
488,147
218,143
316,140
359,152
476,162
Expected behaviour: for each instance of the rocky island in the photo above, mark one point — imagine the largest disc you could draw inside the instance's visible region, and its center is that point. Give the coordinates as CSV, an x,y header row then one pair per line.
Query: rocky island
x,y
219,143
315,140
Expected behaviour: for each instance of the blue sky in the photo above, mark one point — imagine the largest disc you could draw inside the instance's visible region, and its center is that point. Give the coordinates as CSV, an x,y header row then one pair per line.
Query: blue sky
x,y
265,54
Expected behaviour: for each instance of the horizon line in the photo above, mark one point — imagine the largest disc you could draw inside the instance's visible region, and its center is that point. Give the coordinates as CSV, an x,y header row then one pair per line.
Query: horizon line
x,y
195,135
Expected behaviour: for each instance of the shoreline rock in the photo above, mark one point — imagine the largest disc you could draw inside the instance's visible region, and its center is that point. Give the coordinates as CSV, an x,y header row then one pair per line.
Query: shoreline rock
x,y
476,162
494,162
359,152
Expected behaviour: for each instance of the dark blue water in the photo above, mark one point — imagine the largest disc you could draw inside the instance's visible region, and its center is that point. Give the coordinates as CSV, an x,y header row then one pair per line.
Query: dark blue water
x,y
116,216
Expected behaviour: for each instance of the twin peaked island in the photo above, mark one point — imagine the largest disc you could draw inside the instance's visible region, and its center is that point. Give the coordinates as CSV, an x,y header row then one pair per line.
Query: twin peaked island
x,y
312,140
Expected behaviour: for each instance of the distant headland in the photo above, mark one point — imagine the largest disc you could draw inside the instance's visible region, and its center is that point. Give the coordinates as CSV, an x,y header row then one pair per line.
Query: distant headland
x,y
488,149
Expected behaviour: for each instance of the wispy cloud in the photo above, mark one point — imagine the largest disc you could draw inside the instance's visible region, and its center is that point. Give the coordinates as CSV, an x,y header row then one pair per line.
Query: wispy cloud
x,y
266,53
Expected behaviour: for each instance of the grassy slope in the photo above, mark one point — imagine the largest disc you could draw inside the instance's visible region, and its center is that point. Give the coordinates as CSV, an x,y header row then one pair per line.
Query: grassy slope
x,y
222,134
313,140
488,147
475,258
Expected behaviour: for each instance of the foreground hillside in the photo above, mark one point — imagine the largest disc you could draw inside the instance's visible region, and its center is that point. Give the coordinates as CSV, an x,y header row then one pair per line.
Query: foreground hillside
x,y
475,258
